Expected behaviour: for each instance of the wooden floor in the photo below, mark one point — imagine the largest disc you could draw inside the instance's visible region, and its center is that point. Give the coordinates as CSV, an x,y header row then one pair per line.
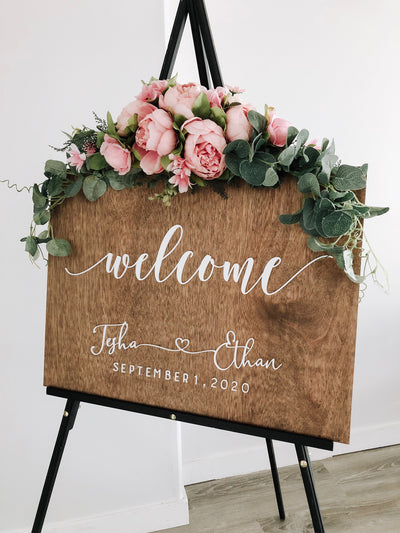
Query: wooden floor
x,y
358,493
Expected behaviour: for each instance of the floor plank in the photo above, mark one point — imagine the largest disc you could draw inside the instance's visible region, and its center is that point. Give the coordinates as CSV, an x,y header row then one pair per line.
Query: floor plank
x,y
358,493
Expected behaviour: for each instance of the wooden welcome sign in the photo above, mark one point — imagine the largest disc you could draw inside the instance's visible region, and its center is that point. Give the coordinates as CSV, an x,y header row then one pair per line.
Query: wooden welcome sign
x,y
210,306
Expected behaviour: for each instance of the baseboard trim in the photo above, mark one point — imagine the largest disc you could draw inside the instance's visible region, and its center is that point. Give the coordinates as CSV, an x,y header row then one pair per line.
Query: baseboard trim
x,y
255,458
141,519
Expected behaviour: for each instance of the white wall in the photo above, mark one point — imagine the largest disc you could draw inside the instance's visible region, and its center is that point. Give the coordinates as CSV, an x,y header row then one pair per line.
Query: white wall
x,y
332,67
58,62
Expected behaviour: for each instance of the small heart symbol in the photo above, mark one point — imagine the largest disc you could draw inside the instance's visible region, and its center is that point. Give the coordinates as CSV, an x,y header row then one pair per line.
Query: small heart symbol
x,y
182,344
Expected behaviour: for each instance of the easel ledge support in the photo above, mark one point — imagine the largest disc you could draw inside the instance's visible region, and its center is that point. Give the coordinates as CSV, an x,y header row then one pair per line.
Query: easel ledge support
x,y
190,418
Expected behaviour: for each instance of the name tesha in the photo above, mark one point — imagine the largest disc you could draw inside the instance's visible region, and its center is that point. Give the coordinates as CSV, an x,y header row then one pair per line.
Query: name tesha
x,y
143,268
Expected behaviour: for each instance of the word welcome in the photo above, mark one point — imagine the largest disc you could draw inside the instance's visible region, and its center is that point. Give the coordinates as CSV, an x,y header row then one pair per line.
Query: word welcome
x,y
119,265
229,354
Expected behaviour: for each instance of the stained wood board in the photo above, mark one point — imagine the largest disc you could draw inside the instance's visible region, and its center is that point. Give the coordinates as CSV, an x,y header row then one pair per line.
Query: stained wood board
x,y
181,329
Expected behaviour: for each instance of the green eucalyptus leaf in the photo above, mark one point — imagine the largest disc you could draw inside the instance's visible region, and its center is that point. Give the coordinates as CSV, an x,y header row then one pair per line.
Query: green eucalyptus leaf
x,y
364,169
291,135
240,147
337,223
266,157
253,172
271,177
336,196
349,178
55,187
41,218
96,162
201,107
55,169
31,246
287,155
93,188
58,247
39,201
258,121
309,214
291,219
309,183
375,211
43,234
301,139
232,161
317,246
74,187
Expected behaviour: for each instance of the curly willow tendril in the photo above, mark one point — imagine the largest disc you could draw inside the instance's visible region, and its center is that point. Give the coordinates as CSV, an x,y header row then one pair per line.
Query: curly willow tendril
x,y
15,186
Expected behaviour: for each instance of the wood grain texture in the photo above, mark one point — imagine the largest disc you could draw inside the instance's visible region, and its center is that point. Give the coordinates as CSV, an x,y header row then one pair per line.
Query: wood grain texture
x,y
308,327
358,493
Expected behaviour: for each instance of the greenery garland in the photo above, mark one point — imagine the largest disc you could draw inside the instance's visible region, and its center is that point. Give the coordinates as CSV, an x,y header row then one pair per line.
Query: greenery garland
x,y
189,137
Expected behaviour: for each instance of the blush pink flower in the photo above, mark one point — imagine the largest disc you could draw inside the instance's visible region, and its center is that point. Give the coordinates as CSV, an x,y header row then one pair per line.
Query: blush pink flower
x,y
204,148
90,149
136,107
277,129
155,137
180,99
237,124
152,91
181,170
118,157
76,158
216,96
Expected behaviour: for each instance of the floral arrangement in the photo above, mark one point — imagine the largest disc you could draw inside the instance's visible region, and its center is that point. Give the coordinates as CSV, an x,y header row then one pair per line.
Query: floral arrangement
x,y
188,137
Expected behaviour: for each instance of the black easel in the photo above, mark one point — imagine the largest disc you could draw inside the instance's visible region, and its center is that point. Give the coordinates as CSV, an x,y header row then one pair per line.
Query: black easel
x,y
207,64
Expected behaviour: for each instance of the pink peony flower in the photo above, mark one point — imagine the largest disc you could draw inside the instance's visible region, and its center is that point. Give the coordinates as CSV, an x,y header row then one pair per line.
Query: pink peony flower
x,y
137,106
181,170
216,96
237,124
150,162
277,129
204,148
155,134
118,157
180,99
152,91
76,159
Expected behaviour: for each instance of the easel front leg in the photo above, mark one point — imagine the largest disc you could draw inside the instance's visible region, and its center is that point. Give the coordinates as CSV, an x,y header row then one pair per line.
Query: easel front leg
x,y
308,480
67,423
275,478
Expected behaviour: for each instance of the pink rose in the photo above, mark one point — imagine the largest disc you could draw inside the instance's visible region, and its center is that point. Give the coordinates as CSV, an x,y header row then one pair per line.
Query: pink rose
x,y
180,99
204,148
150,162
237,124
152,91
277,129
137,106
216,96
76,159
117,157
155,134
181,170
